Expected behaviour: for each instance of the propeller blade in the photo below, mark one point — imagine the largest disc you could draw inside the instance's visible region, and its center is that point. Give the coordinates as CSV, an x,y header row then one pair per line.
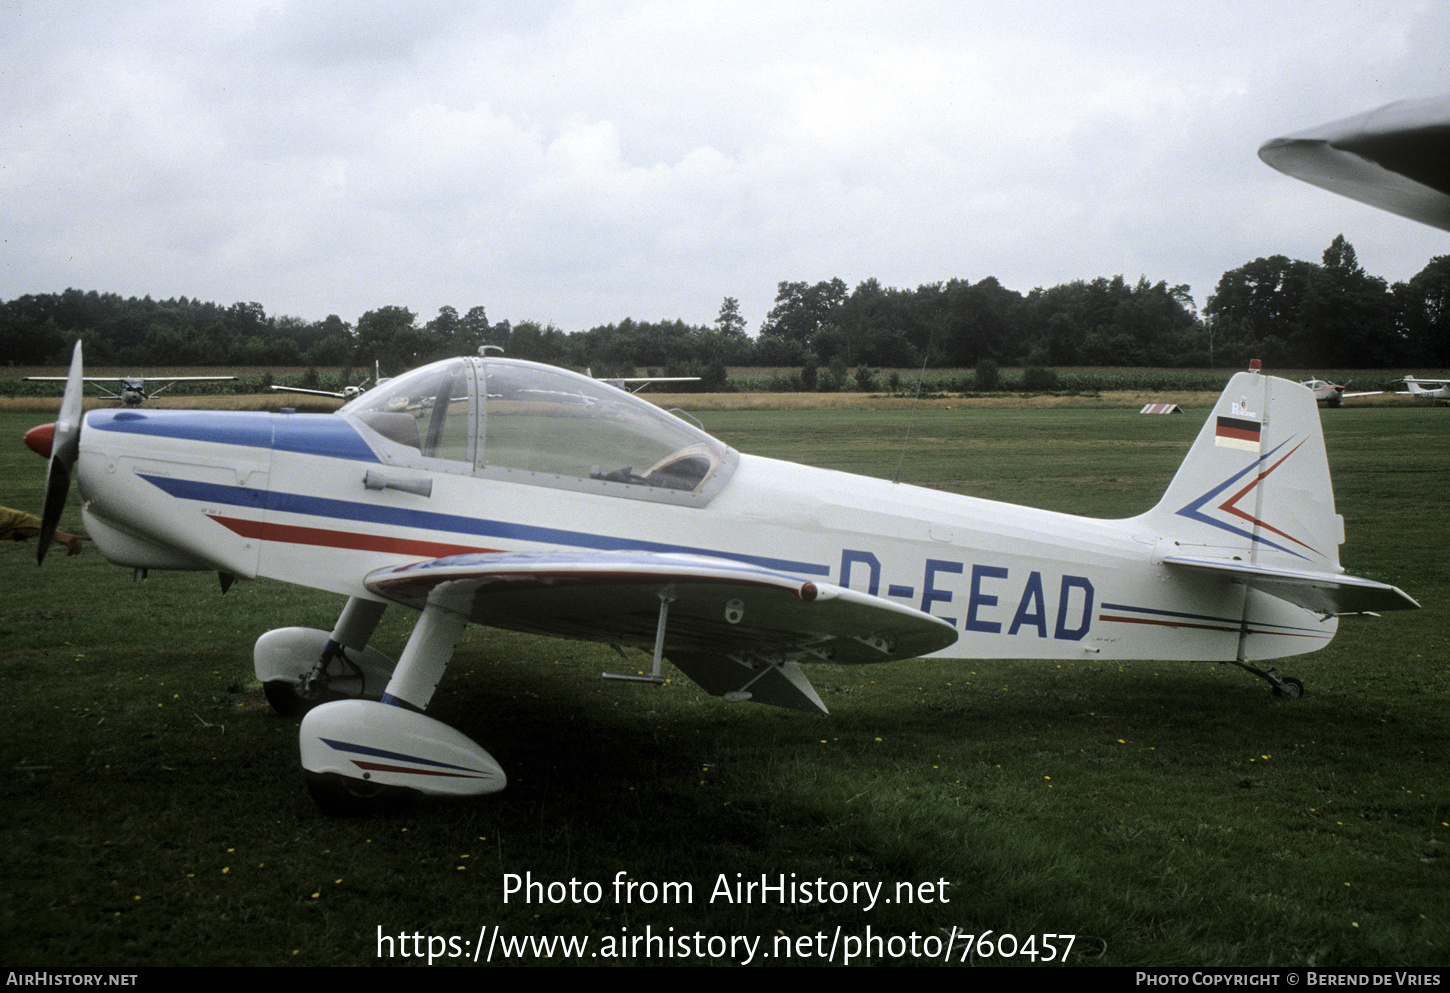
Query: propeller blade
x,y
57,488
64,449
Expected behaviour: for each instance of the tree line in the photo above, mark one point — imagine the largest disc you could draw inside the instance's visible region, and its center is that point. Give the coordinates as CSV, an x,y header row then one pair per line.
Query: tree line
x,y
1291,314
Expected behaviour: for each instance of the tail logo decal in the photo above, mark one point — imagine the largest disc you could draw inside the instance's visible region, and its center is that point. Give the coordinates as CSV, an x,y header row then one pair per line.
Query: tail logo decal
x,y
1194,510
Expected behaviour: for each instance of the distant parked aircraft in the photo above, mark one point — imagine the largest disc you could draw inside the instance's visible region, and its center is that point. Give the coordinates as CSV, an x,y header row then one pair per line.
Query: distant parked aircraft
x,y
1429,389
1332,394
132,389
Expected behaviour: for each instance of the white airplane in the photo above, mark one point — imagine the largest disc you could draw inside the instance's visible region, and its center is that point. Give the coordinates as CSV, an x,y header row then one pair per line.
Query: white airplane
x,y
132,389
1396,158
1429,389
1332,394
523,496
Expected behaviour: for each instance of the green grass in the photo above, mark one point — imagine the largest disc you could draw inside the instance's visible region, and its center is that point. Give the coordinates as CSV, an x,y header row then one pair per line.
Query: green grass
x,y
1164,813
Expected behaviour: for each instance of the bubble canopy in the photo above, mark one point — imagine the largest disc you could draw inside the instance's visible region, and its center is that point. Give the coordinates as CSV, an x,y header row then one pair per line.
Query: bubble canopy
x,y
538,424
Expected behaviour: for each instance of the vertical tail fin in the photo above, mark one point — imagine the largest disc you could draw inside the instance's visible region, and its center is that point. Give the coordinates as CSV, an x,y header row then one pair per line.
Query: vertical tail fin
x,y
1253,505
1255,486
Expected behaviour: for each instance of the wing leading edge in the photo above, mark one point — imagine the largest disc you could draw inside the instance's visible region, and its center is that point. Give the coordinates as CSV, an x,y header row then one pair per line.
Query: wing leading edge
x,y
728,622
1394,158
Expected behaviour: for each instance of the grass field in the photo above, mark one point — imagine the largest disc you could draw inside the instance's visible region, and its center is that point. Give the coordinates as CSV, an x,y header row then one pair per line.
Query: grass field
x,y
1161,813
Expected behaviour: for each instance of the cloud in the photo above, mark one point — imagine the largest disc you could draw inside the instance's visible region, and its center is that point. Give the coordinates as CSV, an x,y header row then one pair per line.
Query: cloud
x,y
583,162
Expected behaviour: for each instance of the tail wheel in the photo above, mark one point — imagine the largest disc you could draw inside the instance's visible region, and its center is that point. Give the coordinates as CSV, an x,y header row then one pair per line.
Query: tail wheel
x,y
1284,686
1289,688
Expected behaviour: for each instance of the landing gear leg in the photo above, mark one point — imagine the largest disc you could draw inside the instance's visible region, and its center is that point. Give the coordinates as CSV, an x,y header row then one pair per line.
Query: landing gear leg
x,y
427,654
300,668
356,624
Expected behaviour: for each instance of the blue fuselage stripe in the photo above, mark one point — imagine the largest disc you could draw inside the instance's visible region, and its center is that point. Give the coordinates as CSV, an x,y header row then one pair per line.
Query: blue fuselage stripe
x,y
362,513
306,434
383,753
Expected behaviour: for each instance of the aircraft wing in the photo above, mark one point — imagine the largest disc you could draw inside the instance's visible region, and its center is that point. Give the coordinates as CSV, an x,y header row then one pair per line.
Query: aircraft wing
x,y
717,609
626,382
1396,158
101,383
124,380
1321,592
316,393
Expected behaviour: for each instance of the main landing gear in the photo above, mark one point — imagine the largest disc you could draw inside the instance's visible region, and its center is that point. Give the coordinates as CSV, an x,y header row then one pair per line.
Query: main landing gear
x,y
365,755
1284,686
302,667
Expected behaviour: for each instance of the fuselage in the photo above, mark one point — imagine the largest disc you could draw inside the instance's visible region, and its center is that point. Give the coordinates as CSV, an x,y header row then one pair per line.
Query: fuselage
x,y
286,496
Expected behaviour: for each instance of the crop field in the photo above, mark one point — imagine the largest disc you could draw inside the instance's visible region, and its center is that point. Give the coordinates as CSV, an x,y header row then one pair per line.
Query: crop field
x,y
751,387
1159,813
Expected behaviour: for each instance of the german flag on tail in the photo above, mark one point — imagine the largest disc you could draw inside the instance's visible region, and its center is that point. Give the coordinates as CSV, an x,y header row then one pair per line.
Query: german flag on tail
x,y
1235,432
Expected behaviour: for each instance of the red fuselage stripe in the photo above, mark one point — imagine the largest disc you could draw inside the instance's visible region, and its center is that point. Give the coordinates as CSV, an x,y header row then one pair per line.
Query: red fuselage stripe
x,y
294,535
1203,627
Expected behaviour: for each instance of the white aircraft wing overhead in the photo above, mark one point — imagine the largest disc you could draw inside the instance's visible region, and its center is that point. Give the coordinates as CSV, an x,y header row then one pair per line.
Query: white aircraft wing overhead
x,y
1321,592
716,609
1396,158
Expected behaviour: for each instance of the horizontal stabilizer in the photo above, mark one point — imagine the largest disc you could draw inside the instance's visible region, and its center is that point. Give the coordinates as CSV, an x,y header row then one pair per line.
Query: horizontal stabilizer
x,y
1320,592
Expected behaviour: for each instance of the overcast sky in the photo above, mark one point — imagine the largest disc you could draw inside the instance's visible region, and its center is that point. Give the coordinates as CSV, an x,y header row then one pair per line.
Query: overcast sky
x,y
579,163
